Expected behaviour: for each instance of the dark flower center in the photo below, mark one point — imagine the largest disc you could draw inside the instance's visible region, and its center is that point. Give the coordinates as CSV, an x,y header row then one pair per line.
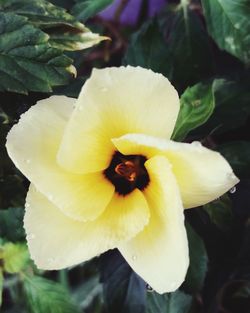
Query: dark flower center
x,y
127,172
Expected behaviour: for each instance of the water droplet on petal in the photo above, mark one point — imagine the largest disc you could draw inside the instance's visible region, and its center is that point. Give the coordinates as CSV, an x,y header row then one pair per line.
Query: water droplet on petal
x,y
27,205
196,144
27,161
230,175
173,285
31,236
51,260
232,190
134,257
149,288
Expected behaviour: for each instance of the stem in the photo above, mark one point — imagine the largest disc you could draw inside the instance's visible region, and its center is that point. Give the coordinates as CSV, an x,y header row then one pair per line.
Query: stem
x,y
63,278
119,10
184,4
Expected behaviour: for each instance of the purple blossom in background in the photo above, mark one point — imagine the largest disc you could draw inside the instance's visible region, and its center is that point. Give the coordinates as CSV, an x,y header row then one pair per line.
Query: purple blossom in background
x,y
131,12
155,6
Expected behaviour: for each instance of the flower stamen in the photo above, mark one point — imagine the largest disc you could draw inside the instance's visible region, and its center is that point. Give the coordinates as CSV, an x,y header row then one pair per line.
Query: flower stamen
x,y
127,170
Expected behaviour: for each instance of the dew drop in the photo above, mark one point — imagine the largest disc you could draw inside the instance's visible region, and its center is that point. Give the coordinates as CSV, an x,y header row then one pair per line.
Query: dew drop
x,y
134,257
233,189
27,205
230,175
149,288
51,260
173,285
31,236
196,144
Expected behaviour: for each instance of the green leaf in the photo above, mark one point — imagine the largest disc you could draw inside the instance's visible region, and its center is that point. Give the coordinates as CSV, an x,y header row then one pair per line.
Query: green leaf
x,y
198,261
12,189
85,9
147,49
163,52
238,155
73,89
87,292
124,291
15,257
12,219
46,296
41,13
188,46
232,98
197,105
1,285
70,41
175,302
67,4
228,22
220,212
66,33
27,60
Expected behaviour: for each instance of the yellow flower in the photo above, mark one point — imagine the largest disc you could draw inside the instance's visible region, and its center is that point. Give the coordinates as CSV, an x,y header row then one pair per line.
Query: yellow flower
x,y
104,174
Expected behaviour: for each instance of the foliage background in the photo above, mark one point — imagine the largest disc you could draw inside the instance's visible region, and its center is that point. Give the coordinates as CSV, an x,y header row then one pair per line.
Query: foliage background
x,y
203,47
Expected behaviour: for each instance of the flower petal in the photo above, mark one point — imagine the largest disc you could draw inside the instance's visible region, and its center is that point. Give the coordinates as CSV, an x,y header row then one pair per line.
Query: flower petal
x,y
33,144
56,241
159,254
114,102
202,174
